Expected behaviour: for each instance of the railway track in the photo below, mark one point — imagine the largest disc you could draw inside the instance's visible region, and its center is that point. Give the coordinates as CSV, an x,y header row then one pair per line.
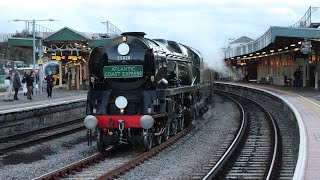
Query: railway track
x,y
11,143
113,173
254,153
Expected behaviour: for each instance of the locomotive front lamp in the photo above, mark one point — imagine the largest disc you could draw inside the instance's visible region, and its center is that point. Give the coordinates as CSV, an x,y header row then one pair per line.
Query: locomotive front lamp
x,y
90,122
123,49
124,38
146,121
121,102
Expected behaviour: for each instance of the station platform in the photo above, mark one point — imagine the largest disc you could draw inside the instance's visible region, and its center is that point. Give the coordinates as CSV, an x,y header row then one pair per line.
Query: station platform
x,y
58,95
307,102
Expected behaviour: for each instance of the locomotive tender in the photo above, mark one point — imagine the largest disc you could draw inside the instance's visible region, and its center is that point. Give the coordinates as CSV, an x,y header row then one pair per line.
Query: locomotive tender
x,y
142,90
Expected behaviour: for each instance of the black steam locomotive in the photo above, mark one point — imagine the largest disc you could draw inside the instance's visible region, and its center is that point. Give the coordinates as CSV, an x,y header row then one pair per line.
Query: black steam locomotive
x,y
143,90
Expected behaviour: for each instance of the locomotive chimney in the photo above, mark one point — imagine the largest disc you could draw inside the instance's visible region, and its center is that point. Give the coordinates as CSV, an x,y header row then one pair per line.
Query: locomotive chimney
x,y
135,34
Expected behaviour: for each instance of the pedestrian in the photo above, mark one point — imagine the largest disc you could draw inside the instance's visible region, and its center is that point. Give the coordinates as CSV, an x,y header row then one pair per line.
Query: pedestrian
x,y
24,84
33,78
29,83
296,75
16,85
8,85
247,76
50,80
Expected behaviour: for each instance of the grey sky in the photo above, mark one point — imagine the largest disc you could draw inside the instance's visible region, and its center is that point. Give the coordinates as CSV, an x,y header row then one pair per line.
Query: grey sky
x,y
203,24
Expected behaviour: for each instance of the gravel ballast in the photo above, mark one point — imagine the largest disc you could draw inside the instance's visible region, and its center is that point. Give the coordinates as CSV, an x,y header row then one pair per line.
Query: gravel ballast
x,y
177,162
187,156
32,162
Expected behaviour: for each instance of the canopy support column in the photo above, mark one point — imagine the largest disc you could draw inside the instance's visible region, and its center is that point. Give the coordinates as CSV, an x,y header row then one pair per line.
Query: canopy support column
x,y
60,75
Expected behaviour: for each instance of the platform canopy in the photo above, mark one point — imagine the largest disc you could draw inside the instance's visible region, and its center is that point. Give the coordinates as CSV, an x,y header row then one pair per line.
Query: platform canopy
x,y
274,41
64,35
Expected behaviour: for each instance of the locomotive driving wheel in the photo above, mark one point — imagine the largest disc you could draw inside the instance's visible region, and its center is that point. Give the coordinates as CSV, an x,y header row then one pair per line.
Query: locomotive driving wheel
x,y
166,133
181,122
148,139
174,127
158,139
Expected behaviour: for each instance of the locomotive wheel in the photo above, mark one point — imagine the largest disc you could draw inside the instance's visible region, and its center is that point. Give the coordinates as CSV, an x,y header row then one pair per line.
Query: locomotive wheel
x,y
158,139
147,140
181,122
166,133
174,127
102,146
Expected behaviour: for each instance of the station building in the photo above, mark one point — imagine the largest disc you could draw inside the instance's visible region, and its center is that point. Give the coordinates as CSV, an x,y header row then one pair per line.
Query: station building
x,y
277,54
70,49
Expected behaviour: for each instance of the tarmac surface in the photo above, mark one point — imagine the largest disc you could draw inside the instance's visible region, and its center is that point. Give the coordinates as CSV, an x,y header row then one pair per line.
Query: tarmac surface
x,y
58,95
307,92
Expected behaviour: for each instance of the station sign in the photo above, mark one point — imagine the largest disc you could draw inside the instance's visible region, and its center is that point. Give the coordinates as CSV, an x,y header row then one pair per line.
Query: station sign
x,y
58,58
40,62
74,58
305,47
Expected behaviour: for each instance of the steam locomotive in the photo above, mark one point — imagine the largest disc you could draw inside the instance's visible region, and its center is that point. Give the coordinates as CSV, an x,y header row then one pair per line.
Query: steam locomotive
x,y
143,90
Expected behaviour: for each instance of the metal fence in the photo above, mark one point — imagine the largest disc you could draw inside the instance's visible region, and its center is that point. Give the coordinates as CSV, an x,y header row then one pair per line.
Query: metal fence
x,y
311,16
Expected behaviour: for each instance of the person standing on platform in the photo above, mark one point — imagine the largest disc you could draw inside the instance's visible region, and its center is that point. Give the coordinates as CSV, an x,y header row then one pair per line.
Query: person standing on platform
x,y
24,84
296,78
33,78
29,85
8,85
16,85
50,80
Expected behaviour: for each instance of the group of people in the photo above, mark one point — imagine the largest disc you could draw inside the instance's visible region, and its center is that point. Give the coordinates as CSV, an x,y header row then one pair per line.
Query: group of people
x,y
27,83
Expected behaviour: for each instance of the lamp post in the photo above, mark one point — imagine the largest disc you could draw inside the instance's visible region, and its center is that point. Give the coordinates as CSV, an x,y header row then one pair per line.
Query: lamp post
x,y
34,46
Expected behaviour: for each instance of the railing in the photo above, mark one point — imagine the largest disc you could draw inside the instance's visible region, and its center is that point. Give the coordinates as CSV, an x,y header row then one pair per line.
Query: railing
x,y
306,20
262,42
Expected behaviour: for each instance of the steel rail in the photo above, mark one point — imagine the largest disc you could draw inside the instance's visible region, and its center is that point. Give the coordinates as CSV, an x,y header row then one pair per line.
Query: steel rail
x,y
276,144
143,157
215,170
76,166
39,135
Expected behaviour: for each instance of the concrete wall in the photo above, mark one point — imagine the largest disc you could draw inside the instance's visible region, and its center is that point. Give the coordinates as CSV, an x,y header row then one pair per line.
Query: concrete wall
x,y
23,121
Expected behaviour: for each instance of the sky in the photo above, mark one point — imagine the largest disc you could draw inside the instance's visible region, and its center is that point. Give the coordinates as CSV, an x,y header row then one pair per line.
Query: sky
x,y
206,25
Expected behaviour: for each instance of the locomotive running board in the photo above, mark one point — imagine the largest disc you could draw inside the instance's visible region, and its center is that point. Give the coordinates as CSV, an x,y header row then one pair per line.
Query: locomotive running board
x,y
180,90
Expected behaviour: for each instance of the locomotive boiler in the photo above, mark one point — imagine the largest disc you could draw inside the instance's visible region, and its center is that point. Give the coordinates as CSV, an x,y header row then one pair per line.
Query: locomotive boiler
x,y
142,90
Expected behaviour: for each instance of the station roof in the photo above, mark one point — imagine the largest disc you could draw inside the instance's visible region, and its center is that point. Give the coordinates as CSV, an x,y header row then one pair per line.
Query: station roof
x,y
275,38
64,35
243,39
